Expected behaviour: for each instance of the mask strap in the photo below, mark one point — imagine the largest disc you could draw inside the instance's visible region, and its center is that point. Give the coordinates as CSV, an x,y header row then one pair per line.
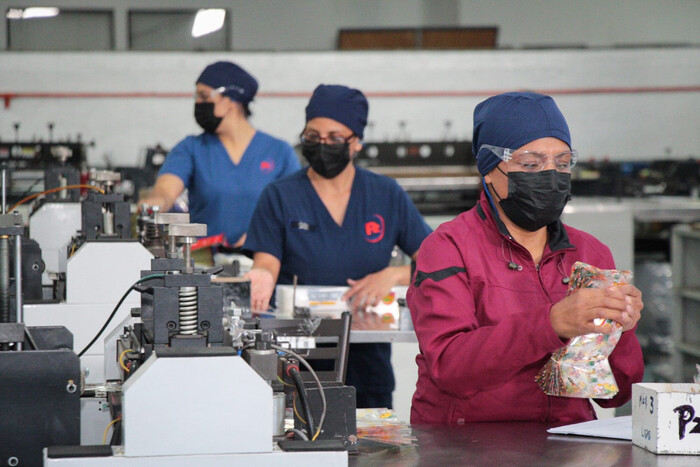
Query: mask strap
x,y
488,192
495,192
488,195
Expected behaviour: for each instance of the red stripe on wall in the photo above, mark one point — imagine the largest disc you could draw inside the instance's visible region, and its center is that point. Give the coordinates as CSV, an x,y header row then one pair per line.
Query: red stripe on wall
x,y
9,96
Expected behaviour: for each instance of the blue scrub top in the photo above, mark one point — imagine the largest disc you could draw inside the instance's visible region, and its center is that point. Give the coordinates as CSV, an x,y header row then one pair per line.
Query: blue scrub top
x,y
292,223
222,194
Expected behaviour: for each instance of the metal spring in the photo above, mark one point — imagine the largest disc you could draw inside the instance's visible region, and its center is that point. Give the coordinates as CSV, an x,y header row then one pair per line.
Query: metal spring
x,y
152,232
188,310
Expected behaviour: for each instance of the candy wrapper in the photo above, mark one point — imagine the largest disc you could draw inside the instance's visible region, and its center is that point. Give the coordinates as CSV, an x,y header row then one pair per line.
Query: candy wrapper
x,y
383,426
581,368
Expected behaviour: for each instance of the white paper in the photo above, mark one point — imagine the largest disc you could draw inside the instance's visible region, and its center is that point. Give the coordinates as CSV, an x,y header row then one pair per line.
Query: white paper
x,y
616,427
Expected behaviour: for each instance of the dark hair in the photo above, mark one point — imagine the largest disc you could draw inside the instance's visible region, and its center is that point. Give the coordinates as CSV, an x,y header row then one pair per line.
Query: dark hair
x,y
246,111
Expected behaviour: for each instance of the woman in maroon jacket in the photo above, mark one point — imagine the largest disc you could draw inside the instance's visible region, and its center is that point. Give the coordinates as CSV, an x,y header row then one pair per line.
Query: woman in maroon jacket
x,y
488,297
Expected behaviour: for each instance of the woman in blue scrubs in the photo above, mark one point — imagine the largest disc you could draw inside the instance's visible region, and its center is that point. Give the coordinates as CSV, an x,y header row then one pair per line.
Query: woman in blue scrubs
x,y
336,224
227,166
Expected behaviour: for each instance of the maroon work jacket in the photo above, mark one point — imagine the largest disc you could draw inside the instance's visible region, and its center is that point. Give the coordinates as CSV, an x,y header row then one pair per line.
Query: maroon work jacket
x,y
484,329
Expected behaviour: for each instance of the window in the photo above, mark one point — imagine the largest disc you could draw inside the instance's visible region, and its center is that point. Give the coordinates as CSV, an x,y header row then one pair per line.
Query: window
x,y
64,30
174,30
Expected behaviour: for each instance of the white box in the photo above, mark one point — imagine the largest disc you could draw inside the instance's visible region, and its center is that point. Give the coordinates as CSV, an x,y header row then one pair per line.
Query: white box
x,y
326,302
666,417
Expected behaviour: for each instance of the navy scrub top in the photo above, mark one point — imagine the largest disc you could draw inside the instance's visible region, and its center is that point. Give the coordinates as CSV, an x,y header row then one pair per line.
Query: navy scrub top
x,y
292,223
222,194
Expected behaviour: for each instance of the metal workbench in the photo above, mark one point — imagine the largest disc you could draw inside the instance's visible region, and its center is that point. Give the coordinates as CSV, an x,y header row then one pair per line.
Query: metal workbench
x,y
512,444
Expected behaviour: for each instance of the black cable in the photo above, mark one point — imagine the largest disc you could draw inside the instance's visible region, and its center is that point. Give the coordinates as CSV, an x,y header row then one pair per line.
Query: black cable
x,y
114,312
321,392
116,439
304,398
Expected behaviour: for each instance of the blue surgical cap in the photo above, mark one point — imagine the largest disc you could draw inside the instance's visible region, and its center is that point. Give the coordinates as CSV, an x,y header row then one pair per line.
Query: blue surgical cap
x,y
512,120
240,85
340,103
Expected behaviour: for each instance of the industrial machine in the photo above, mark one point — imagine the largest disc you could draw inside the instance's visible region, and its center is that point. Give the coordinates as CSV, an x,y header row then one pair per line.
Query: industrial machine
x,y
439,176
39,387
29,163
95,265
189,376
188,384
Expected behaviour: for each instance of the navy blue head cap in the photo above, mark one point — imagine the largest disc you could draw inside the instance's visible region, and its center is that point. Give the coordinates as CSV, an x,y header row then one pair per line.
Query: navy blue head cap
x,y
340,103
512,120
240,85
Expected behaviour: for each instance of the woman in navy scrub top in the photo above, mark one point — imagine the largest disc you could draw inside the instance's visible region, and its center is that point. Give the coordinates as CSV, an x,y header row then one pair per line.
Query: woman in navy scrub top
x,y
336,224
225,168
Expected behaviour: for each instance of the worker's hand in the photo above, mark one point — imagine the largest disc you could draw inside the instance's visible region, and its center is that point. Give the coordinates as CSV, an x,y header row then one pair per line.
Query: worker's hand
x,y
369,290
367,320
631,316
262,284
574,315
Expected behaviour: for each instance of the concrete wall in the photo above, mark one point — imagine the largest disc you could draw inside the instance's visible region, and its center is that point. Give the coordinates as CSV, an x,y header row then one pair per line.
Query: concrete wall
x,y
605,94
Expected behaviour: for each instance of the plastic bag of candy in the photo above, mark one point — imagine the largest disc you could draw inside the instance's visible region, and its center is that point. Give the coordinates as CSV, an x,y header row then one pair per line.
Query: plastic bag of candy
x,y
581,368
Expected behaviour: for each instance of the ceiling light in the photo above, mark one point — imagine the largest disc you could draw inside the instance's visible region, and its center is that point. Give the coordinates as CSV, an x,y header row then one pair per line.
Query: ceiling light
x,y
35,12
208,21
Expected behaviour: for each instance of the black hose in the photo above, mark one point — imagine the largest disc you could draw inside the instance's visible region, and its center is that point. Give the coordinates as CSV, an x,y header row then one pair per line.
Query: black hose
x,y
304,398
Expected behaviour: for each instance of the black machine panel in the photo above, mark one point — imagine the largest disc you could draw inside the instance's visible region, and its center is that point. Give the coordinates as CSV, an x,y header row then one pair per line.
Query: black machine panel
x,y
39,403
429,153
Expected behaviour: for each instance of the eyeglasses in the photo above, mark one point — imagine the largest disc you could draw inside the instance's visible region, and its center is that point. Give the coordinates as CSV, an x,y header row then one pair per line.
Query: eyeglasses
x,y
312,138
531,161
204,95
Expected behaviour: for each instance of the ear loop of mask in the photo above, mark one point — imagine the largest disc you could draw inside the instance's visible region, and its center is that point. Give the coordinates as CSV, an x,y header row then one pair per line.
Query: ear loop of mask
x,y
488,193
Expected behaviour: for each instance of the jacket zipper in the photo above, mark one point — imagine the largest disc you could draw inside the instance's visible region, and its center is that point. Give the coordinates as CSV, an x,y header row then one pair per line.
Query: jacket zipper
x,y
539,277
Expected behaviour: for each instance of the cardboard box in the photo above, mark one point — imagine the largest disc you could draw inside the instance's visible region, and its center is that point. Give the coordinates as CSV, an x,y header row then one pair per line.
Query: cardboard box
x,y
666,417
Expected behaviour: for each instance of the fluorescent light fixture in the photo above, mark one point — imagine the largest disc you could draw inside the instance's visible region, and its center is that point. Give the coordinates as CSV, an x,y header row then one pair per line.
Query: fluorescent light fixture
x,y
34,12
208,21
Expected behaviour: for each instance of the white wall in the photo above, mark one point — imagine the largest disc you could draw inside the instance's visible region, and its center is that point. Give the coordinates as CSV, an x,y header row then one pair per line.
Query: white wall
x,y
619,124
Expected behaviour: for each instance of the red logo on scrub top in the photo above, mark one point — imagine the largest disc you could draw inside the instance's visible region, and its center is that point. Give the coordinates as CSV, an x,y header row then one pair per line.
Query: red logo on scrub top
x,y
374,229
267,166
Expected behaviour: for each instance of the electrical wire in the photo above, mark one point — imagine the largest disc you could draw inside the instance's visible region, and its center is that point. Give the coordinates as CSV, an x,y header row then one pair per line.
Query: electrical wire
x,y
318,383
104,435
53,190
121,360
294,406
114,312
282,381
304,398
300,433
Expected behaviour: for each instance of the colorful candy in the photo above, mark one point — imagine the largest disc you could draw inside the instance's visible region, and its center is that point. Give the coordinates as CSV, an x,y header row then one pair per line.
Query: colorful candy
x,y
581,368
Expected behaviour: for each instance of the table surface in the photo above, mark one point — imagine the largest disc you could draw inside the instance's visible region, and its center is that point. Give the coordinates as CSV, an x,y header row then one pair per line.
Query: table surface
x,y
511,444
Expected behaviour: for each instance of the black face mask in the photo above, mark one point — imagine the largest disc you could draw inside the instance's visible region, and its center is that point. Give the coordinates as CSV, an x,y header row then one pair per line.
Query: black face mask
x,y
536,199
327,160
204,115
